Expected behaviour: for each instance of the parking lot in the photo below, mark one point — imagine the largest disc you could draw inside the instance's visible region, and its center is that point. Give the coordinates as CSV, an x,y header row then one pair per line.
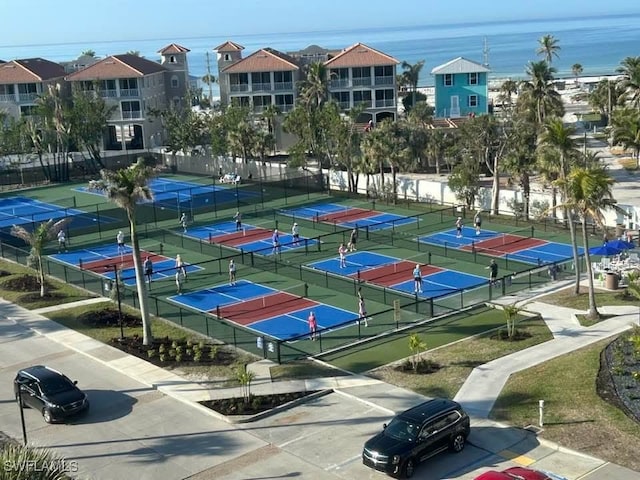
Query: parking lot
x,y
135,431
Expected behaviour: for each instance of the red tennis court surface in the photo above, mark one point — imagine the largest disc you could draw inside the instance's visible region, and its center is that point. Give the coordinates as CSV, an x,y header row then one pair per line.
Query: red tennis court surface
x,y
388,275
245,313
350,214
244,236
504,244
123,262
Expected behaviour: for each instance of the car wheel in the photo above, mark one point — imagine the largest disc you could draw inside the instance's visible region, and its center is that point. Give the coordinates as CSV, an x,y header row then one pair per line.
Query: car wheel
x,y
457,442
409,468
46,414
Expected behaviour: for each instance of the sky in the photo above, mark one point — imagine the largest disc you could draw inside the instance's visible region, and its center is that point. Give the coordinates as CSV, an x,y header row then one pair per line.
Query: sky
x,y
81,21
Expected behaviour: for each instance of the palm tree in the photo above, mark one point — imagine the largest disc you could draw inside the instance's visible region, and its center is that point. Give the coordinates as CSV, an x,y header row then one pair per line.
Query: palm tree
x,y
538,94
412,75
519,157
209,79
607,96
507,90
315,87
556,138
626,130
548,47
28,461
630,81
38,240
577,70
588,192
126,188
89,53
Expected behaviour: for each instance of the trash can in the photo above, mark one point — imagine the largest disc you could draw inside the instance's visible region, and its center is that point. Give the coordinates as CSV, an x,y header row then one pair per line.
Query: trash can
x,y
611,281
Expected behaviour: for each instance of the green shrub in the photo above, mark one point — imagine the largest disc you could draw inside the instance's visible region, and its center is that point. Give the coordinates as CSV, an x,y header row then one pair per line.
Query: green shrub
x,y
197,357
162,348
178,357
151,353
213,353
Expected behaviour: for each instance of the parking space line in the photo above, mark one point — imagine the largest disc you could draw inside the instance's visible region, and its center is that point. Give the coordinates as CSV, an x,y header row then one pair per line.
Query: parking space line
x,y
517,458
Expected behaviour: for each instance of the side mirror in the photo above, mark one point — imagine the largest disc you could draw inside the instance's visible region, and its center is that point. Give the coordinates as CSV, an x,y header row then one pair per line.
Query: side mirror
x,y
75,382
384,425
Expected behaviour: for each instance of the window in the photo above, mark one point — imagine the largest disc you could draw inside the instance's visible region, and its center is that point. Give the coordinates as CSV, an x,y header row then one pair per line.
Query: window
x,y
386,71
448,80
227,57
240,101
281,77
128,83
473,78
172,59
262,101
341,98
362,96
384,98
131,109
175,83
26,110
473,101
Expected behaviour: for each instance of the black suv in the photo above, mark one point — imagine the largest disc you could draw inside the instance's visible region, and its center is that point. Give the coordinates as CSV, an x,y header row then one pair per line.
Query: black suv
x,y
49,392
416,435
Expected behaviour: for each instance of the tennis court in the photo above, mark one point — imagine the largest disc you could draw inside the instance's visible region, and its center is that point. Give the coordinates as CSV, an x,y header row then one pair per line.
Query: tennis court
x,y
23,210
182,195
348,217
397,274
281,314
519,245
249,238
102,259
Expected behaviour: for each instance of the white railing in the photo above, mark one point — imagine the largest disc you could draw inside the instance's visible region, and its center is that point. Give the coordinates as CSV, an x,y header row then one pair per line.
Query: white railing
x,y
27,97
339,83
384,80
240,87
109,93
344,105
283,86
129,92
284,108
364,103
129,115
260,87
361,81
385,103
8,97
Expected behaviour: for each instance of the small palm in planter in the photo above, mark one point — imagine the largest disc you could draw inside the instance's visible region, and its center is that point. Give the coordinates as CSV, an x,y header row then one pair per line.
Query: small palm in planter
x,y
245,377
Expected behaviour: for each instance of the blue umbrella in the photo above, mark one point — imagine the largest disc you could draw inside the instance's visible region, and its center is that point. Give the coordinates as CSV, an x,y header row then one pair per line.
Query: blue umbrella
x,y
605,250
621,244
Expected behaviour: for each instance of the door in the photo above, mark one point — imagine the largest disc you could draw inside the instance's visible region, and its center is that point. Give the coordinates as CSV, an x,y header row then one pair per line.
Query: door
x,y
455,106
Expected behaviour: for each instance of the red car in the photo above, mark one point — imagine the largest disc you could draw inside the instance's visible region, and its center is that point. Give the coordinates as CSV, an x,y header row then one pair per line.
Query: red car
x,y
514,473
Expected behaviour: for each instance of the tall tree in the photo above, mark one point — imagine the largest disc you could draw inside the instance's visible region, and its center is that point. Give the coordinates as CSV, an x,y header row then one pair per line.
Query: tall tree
x,y
606,97
507,89
577,70
626,130
558,139
412,76
315,87
463,181
126,188
548,47
588,192
89,53
538,94
630,81
38,240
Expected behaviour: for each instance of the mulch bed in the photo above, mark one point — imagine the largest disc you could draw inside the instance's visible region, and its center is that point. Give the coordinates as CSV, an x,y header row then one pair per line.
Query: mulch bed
x,y
256,404
423,367
24,283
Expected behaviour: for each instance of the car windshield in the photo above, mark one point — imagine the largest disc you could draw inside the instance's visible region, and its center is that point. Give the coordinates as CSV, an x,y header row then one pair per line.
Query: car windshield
x,y
402,430
54,385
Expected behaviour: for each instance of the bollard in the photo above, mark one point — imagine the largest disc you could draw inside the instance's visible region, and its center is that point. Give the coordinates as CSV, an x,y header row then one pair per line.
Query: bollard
x,y
541,412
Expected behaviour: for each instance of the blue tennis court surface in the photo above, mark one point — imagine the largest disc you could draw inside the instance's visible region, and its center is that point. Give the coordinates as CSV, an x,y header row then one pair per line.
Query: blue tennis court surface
x,y
207,300
208,231
295,323
182,195
24,210
373,220
548,253
357,261
450,238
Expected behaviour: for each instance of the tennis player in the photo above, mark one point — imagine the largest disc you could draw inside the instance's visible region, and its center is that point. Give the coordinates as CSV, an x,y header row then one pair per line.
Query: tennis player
x,y
417,279
362,310
313,325
232,273
459,227
342,251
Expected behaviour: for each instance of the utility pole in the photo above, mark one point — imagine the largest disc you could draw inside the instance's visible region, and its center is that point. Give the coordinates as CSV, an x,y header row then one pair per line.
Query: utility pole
x,y
209,79
485,53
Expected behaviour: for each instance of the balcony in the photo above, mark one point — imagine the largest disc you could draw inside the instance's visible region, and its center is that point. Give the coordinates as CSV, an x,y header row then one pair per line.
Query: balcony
x,y
261,87
283,85
364,103
109,93
129,92
131,115
389,102
361,82
27,97
344,105
339,83
284,107
384,80
8,97
240,87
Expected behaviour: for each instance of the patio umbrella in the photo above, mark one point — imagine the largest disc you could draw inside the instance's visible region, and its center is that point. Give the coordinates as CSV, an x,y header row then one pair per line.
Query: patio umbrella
x,y
621,244
605,250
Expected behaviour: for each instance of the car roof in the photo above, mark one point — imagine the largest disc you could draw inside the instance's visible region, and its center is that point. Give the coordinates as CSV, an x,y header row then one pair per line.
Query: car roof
x,y
428,409
40,372
513,473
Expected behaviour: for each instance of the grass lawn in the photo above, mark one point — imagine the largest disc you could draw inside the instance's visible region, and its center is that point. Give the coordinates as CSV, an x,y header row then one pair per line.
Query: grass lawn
x,y
303,369
60,292
575,416
566,298
160,329
458,360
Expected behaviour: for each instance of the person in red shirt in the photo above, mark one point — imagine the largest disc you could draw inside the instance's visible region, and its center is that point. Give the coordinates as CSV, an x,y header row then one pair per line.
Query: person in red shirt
x,y
313,325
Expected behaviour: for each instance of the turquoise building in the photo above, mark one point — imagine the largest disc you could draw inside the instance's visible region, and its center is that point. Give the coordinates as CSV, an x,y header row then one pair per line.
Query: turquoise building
x,y
461,89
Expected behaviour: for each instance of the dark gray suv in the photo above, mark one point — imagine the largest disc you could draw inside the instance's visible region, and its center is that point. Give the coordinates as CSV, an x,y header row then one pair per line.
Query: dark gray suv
x,y
415,435
49,392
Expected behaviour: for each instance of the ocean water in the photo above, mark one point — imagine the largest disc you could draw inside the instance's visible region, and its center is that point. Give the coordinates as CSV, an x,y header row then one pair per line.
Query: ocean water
x,y
597,43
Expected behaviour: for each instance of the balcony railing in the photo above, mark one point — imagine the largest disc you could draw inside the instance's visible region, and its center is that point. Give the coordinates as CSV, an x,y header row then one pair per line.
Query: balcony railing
x,y
364,103
284,108
340,83
132,114
109,93
8,97
389,102
129,92
260,87
361,81
384,80
283,85
27,97
240,87
344,105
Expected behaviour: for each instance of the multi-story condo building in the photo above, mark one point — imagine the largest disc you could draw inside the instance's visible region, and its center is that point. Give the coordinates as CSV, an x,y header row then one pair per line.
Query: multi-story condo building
x,y
358,75
135,85
23,81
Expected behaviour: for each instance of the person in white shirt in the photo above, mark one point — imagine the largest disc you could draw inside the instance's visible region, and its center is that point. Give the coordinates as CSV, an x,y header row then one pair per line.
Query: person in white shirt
x,y
295,233
232,272
120,242
180,266
183,222
62,241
